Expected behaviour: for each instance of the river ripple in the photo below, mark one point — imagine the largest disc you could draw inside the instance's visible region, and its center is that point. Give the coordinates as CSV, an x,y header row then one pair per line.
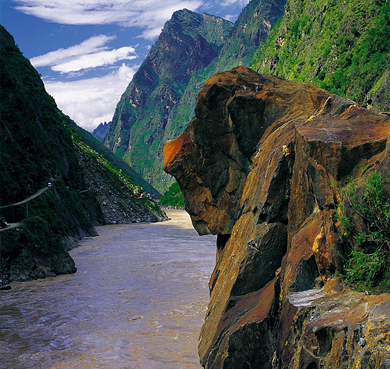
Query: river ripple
x,y
137,300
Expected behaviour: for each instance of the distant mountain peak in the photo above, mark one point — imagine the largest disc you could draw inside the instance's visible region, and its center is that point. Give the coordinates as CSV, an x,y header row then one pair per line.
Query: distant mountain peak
x,y
101,130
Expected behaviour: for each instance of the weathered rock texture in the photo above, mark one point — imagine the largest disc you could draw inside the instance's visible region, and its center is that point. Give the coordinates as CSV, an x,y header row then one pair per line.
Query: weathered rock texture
x,y
259,166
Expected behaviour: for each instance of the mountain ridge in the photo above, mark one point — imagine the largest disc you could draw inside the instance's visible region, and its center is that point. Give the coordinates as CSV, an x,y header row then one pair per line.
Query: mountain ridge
x,y
43,151
138,136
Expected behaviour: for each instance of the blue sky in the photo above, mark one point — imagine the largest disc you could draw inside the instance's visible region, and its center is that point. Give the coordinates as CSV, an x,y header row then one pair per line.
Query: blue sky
x,y
88,50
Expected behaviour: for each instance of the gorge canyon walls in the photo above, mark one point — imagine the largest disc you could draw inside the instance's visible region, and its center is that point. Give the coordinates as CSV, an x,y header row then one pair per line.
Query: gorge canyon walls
x,y
262,165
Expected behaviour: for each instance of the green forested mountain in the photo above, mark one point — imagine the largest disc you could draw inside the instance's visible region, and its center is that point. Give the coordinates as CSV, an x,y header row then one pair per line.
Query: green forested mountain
x,y
341,46
36,148
160,100
43,152
173,197
188,42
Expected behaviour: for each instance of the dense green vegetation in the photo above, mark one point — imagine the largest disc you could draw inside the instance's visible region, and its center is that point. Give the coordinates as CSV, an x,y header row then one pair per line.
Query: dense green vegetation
x,y
40,145
36,148
173,197
366,233
342,47
36,145
34,135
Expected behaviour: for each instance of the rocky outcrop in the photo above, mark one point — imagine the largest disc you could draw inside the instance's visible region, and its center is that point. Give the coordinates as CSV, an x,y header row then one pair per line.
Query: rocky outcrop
x,y
120,200
261,165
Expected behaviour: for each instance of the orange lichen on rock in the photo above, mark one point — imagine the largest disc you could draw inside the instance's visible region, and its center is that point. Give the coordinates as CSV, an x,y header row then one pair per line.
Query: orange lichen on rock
x,y
171,148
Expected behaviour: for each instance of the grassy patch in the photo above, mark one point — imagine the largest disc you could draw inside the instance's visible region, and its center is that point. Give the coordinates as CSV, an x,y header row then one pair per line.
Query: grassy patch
x,y
339,46
173,197
366,234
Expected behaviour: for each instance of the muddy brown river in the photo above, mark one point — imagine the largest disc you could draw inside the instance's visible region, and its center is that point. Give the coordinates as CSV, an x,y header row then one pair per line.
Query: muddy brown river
x,y
137,300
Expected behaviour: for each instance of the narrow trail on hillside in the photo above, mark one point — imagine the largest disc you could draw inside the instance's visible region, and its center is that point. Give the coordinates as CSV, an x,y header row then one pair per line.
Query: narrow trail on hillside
x,y
40,192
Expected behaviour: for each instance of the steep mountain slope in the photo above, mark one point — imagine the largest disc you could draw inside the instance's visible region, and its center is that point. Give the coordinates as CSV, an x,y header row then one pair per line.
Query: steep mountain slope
x,y
121,200
43,153
118,163
188,42
36,148
250,30
342,47
160,100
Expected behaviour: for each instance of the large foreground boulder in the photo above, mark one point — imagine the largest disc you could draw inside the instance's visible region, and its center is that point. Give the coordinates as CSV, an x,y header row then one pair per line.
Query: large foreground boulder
x,y
261,166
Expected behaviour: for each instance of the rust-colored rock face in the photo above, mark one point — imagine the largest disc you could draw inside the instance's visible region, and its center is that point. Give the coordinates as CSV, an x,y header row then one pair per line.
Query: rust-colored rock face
x,y
259,166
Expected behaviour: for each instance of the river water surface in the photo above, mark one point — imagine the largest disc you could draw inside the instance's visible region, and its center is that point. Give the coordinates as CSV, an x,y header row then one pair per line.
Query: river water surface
x,y
137,300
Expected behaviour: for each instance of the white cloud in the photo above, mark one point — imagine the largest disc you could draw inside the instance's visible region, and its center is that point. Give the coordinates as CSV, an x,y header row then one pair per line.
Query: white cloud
x,y
241,3
91,101
147,14
90,53
230,17
93,44
95,60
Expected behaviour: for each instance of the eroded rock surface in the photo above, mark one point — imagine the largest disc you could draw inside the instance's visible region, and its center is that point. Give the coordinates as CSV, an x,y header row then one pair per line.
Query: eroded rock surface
x,y
260,166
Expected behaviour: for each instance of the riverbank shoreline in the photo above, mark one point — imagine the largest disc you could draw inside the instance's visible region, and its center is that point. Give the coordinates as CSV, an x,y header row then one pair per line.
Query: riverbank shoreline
x,y
35,264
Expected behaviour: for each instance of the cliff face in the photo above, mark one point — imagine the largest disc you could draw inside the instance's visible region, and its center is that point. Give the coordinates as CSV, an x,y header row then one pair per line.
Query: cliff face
x,y
262,165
